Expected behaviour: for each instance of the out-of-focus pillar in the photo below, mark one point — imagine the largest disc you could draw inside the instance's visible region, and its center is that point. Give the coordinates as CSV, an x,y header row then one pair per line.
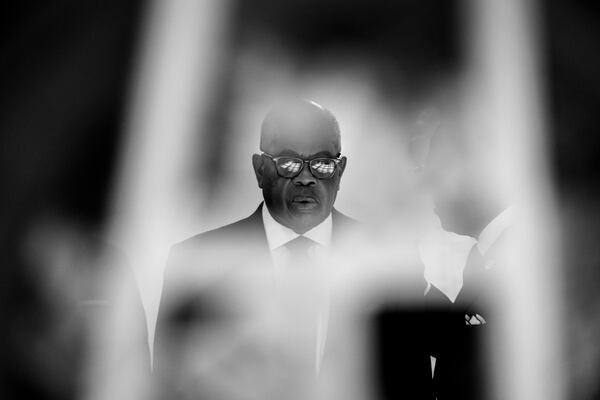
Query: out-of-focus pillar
x,y
505,98
155,196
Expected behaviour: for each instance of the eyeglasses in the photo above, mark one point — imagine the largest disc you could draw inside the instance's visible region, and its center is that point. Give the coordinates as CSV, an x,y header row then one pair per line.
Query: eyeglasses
x,y
290,167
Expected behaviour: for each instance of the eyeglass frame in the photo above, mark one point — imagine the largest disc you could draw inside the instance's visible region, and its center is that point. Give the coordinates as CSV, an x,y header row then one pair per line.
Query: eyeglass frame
x,y
336,160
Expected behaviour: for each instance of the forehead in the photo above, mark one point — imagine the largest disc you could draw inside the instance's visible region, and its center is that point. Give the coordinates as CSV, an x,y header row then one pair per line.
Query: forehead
x,y
304,146
303,129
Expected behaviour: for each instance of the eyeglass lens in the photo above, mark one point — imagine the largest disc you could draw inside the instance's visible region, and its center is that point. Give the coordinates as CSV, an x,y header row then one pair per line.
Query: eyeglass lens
x,y
320,167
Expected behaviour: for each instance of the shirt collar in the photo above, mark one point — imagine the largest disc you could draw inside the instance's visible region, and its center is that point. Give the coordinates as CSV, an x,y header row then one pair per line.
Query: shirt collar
x,y
278,235
495,229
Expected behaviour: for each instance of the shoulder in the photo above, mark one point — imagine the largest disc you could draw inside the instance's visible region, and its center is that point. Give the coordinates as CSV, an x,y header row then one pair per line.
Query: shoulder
x,y
227,232
344,220
247,230
227,245
345,229
343,223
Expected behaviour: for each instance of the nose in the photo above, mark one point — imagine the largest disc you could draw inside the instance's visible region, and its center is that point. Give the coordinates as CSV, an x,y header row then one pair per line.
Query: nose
x,y
305,177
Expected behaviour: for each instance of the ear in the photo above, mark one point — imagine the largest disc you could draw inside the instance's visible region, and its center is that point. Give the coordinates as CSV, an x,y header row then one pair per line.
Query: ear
x,y
258,165
342,165
341,168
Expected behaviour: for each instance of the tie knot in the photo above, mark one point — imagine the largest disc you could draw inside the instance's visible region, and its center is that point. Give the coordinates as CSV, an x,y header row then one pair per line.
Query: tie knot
x,y
299,247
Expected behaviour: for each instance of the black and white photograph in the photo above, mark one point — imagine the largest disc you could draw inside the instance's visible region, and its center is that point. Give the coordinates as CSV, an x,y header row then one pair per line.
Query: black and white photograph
x,y
300,200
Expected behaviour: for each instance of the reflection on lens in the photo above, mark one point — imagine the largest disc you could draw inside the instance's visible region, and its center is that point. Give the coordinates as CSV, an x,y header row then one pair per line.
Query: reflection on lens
x,y
323,167
289,167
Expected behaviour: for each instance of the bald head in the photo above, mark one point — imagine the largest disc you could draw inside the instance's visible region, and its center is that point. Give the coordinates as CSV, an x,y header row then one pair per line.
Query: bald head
x,y
303,127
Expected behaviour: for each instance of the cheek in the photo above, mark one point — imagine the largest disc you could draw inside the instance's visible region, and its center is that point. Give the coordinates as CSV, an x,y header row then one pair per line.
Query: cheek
x,y
329,189
276,187
445,186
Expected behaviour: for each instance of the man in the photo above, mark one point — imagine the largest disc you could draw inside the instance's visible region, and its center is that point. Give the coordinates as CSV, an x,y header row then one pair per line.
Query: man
x,y
299,171
467,203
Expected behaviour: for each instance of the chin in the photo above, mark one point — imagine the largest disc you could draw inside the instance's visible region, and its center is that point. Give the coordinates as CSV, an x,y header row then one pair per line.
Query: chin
x,y
306,221
450,220
452,224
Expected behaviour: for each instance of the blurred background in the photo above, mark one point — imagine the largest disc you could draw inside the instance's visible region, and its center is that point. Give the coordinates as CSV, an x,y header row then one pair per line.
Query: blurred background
x,y
126,126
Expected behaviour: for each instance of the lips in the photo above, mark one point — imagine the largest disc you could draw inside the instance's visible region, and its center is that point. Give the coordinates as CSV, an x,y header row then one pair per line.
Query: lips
x,y
304,203
304,199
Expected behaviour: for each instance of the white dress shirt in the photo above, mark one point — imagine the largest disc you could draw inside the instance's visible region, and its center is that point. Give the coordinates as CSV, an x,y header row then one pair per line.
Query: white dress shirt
x,y
277,237
492,232
444,268
445,254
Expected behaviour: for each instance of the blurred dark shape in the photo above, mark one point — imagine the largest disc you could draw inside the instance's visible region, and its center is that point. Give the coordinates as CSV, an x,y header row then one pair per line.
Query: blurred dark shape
x,y
73,284
581,225
63,72
574,92
571,32
405,43
402,343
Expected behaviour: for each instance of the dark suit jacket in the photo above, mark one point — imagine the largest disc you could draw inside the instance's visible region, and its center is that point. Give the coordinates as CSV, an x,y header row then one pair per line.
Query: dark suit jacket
x,y
402,348
462,365
185,307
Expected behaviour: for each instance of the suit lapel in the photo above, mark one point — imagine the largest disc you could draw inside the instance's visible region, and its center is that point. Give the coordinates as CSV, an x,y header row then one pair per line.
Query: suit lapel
x,y
254,228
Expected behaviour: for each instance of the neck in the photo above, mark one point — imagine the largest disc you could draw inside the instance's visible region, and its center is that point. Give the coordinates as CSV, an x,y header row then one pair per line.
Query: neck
x,y
303,228
482,219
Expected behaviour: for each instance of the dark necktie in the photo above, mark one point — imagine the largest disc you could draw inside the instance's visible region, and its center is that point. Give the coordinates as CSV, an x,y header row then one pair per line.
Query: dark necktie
x,y
474,281
305,311
299,249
